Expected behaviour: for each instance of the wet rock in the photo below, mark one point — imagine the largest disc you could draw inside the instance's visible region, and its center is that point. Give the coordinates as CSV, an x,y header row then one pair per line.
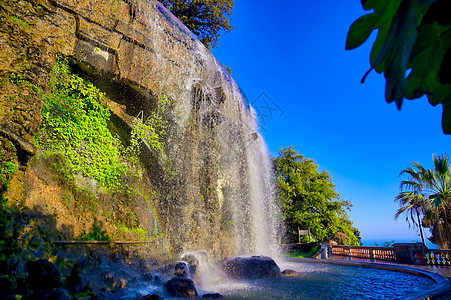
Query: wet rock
x,y
5,286
181,270
212,296
153,278
181,288
250,267
57,294
192,262
290,273
152,297
43,275
78,280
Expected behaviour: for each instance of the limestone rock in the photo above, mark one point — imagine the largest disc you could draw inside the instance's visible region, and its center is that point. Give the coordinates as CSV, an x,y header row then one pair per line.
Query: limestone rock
x,y
251,267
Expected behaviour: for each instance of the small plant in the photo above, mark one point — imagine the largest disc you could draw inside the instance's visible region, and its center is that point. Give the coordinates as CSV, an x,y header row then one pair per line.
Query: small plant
x,y
149,132
7,169
96,233
138,230
386,244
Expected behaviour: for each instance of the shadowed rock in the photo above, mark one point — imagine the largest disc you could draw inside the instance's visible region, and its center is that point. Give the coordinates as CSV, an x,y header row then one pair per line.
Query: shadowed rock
x,y
181,288
212,296
290,273
152,297
250,267
43,275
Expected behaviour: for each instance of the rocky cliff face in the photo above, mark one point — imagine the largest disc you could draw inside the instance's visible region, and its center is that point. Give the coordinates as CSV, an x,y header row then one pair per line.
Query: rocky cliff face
x,y
203,193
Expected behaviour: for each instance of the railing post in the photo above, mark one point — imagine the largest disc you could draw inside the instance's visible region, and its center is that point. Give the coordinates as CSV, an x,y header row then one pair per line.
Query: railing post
x,y
406,253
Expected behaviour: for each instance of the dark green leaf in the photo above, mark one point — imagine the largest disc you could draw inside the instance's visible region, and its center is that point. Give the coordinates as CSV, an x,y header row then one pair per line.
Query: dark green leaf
x,y
425,61
360,31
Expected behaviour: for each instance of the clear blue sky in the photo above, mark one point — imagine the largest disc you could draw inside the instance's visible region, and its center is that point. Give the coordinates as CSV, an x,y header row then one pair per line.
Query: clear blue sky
x,y
295,54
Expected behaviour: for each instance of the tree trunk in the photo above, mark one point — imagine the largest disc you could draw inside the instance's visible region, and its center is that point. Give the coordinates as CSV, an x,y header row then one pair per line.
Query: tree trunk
x,y
421,227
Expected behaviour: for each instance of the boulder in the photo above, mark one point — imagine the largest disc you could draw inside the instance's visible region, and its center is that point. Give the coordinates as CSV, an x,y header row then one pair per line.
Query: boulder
x,y
250,267
181,270
290,273
43,275
78,280
192,262
152,297
57,294
181,288
212,296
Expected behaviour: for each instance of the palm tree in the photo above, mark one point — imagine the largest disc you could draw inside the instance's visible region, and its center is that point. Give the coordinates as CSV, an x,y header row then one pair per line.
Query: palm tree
x,y
412,204
434,187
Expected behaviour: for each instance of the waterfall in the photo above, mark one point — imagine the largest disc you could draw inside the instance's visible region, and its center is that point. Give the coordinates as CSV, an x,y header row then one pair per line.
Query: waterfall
x,y
223,200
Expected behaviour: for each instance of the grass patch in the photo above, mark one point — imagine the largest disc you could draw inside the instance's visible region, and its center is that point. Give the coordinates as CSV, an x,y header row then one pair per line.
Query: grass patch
x,y
138,230
296,253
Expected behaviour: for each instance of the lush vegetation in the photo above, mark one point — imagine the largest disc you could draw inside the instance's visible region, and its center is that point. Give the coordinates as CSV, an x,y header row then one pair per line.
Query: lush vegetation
x,y
425,199
74,126
412,49
149,132
7,169
308,199
296,253
75,130
205,18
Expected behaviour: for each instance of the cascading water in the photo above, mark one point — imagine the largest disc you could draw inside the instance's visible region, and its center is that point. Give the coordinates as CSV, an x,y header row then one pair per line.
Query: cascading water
x,y
221,197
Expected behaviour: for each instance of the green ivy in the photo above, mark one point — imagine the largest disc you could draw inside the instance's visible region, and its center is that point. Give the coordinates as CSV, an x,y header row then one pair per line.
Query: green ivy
x,y
74,124
7,170
149,132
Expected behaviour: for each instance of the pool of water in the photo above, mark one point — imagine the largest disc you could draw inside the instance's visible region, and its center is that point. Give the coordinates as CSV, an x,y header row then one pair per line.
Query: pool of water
x,y
326,281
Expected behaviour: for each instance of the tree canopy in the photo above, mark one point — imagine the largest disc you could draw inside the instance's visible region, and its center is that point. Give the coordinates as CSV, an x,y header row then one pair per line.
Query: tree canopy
x,y
308,199
205,18
428,193
412,49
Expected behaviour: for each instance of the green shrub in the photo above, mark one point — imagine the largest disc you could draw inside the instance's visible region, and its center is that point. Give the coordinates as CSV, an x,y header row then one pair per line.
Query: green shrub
x,y
74,125
96,233
149,132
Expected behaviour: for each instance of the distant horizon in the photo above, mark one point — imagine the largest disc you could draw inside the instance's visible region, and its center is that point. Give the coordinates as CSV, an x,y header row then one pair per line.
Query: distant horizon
x,y
380,241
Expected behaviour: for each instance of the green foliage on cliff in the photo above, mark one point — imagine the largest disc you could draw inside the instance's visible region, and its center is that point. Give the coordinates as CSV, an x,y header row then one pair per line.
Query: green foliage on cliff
x,y
205,18
149,132
96,233
308,199
412,36
7,169
74,125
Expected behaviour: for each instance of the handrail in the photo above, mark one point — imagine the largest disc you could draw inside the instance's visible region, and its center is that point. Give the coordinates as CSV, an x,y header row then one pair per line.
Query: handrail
x,y
425,256
436,257
381,253
100,242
